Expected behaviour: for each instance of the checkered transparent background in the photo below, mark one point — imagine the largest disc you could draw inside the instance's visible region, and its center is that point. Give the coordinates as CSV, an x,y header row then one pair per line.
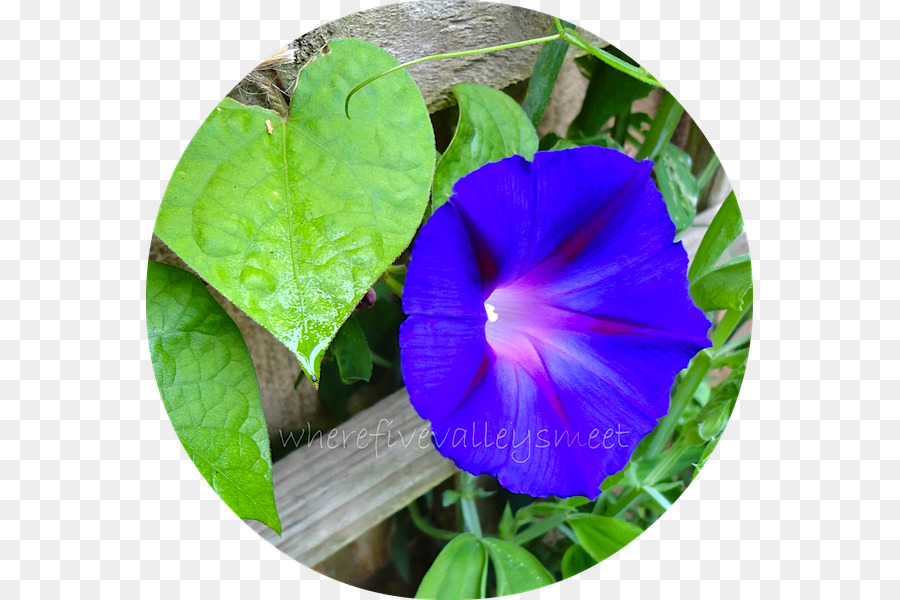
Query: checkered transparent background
x,y
98,100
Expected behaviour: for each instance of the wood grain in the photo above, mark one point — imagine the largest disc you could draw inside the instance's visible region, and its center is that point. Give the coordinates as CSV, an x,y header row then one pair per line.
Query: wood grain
x,y
410,30
331,489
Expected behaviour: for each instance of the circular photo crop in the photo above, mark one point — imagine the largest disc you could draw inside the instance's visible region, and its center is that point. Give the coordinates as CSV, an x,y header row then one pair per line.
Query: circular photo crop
x,y
449,300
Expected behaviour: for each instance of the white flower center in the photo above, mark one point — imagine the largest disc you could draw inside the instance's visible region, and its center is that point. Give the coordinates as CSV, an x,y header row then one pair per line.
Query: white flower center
x,y
491,312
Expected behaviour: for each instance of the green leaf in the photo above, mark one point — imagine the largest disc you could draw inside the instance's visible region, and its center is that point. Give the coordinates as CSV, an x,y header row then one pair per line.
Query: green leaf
x,y
449,497
576,560
456,572
638,73
491,127
678,186
725,227
731,360
295,225
707,452
661,130
714,416
546,70
507,526
609,93
575,501
725,287
209,390
517,570
541,526
351,352
602,537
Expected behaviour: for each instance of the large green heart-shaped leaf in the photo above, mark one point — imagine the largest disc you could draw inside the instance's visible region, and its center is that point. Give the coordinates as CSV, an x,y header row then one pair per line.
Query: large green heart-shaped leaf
x,y
293,220
209,389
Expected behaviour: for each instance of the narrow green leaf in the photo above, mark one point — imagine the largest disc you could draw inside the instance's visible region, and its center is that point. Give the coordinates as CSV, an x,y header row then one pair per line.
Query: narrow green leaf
x,y
546,70
576,560
739,357
540,527
456,572
725,227
610,92
725,287
602,537
517,570
707,452
449,497
678,186
491,127
664,124
208,386
714,416
293,220
351,352
638,73
507,526
575,501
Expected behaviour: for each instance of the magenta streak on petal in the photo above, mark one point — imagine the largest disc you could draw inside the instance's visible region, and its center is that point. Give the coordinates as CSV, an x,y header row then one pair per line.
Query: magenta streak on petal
x,y
486,264
592,226
483,369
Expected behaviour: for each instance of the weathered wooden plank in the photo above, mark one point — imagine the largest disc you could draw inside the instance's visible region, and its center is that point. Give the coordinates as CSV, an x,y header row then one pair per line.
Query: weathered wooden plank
x,y
410,30
336,486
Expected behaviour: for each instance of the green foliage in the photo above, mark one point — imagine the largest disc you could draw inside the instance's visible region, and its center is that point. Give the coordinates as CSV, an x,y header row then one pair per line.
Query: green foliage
x,y
678,186
457,572
725,227
209,390
664,123
725,287
293,220
516,569
491,127
610,92
543,78
576,560
601,537
351,352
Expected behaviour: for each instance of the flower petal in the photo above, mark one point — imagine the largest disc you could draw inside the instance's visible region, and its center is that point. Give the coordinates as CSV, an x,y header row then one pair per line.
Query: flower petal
x,y
549,317
649,299
444,278
555,208
443,360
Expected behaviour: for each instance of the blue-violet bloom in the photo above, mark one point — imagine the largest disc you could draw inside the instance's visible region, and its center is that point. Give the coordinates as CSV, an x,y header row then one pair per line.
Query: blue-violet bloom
x,y
548,317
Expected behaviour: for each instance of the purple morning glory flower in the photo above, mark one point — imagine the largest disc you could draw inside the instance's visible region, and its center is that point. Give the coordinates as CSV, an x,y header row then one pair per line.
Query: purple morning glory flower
x,y
548,316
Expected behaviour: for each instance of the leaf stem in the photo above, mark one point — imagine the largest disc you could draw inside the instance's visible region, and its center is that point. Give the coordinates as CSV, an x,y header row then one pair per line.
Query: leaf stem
x,y
467,486
419,520
704,177
686,389
562,33
664,123
623,503
725,328
541,40
615,62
